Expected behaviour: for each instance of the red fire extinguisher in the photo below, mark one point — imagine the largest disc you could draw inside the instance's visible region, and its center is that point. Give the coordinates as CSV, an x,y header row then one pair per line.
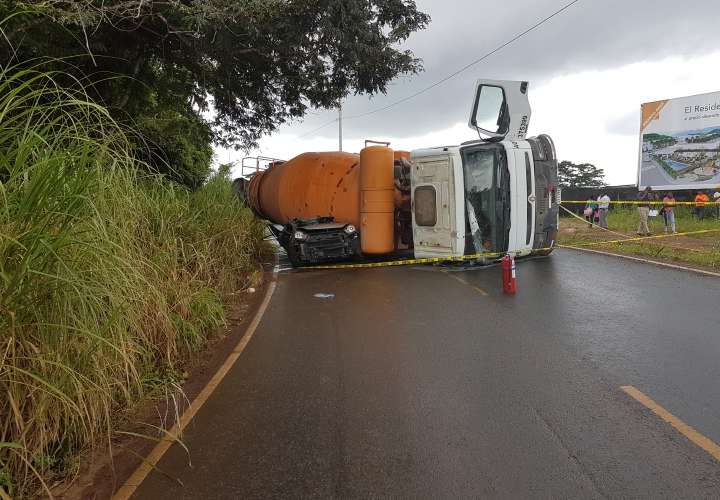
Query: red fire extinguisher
x,y
508,274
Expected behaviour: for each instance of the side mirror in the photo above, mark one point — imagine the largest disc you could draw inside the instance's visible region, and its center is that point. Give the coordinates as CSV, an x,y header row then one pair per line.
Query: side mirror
x,y
489,114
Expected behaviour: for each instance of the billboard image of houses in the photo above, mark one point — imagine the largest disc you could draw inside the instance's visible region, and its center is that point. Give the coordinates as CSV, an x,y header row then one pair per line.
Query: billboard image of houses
x,y
680,143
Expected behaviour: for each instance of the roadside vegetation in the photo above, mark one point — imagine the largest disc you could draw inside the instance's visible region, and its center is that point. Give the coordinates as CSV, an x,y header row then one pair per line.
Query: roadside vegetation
x,y
701,250
118,242
110,276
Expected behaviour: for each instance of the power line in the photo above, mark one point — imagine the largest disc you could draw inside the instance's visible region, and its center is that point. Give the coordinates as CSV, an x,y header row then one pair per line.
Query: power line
x,y
318,128
467,66
454,74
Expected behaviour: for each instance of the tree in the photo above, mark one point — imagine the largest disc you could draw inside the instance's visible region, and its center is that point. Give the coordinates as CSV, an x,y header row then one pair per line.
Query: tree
x,y
250,64
177,145
574,175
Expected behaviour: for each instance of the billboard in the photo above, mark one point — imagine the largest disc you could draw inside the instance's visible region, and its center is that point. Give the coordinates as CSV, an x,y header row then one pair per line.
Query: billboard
x,y
680,143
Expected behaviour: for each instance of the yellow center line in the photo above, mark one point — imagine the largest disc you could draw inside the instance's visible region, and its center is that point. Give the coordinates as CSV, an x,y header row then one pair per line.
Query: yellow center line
x,y
703,442
479,290
464,282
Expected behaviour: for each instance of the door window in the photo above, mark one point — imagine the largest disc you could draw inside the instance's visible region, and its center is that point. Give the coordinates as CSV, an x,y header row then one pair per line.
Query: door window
x,y
486,194
425,206
489,112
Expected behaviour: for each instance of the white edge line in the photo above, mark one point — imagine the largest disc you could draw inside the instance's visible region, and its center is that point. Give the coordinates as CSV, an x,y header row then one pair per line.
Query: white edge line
x,y
646,261
153,458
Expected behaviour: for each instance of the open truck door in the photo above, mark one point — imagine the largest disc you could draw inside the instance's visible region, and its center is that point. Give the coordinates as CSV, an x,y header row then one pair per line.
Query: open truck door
x,y
500,110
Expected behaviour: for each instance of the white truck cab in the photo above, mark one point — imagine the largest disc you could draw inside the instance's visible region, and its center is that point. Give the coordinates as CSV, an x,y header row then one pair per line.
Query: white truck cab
x,y
497,194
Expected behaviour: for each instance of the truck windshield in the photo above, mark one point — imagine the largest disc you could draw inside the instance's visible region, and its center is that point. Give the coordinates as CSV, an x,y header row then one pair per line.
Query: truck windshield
x,y
487,199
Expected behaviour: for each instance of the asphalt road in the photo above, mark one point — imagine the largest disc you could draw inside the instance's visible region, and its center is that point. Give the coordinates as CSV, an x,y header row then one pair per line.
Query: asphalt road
x,y
429,382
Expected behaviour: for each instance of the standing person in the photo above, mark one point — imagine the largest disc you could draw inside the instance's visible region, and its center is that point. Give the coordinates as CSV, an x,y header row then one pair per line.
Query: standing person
x,y
700,200
716,199
644,197
590,210
603,208
669,212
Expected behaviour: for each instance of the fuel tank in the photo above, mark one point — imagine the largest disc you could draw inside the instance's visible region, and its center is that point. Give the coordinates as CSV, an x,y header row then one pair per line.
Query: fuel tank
x,y
377,201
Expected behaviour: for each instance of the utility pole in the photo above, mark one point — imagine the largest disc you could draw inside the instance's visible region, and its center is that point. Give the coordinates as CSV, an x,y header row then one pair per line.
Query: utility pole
x,y
340,126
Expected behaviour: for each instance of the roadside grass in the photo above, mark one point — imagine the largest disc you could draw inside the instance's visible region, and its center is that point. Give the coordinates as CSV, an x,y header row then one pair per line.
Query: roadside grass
x,y
704,259
701,250
625,219
109,276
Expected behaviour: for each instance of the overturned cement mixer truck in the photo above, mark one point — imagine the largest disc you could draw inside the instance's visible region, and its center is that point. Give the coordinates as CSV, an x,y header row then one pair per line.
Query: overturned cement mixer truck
x,y
494,195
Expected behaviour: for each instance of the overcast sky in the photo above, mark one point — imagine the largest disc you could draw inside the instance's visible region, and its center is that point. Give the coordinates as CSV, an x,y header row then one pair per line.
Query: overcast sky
x,y
589,69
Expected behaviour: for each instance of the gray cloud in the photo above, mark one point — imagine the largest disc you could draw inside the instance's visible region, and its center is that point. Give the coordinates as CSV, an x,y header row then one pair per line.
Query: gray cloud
x,y
592,35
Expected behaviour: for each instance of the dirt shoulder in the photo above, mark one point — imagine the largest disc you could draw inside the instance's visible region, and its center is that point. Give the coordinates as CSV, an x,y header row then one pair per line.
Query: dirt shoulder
x,y
106,467
700,251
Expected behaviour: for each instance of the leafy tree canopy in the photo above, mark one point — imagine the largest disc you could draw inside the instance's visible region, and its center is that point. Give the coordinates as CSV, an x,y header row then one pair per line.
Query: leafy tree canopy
x,y
580,175
250,64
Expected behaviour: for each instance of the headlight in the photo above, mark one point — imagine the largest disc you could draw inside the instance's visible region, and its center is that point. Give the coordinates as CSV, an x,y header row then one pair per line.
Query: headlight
x,y
350,229
299,235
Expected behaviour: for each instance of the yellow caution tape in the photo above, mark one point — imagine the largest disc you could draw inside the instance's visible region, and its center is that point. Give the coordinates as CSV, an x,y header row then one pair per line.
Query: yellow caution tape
x,y
408,262
593,225
639,238
637,202
493,255
624,236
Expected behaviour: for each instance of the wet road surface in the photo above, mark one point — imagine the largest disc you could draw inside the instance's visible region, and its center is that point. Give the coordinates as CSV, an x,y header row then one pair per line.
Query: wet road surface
x,y
429,382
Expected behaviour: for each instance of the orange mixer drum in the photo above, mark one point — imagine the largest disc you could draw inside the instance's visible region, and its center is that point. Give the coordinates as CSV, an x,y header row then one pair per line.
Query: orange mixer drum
x,y
377,200
309,185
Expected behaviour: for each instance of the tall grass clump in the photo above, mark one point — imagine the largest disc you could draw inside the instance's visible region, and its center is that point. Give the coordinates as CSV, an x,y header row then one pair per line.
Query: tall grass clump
x,y
108,275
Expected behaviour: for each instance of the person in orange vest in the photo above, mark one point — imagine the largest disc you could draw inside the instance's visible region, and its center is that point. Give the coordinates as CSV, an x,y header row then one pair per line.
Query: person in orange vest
x,y
700,200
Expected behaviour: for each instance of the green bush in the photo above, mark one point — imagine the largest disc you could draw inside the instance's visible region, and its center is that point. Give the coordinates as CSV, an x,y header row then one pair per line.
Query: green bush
x,y
176,145
108,275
